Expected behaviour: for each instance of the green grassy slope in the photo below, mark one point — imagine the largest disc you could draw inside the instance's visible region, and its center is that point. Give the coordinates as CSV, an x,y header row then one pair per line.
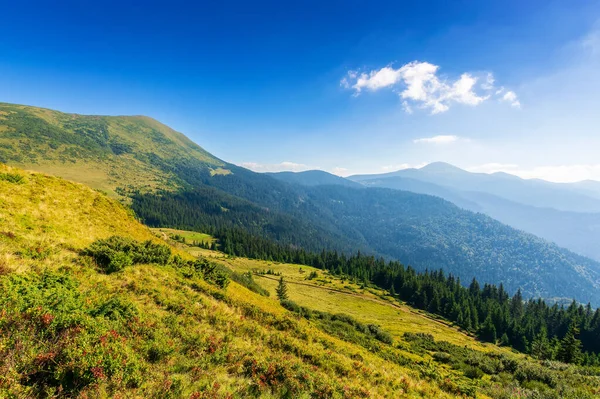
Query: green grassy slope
x,y
149,331
105,152
136,157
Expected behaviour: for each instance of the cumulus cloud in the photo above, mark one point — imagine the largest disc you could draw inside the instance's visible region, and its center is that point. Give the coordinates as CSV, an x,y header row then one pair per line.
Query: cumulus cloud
x,y
440,139
275,167
511,98
553,173
419,84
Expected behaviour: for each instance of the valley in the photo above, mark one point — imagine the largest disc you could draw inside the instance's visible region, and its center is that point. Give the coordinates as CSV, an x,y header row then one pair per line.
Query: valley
x,y
190,301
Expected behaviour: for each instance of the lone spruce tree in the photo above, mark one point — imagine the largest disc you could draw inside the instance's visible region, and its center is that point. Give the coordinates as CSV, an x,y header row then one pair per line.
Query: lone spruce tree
x,y
570,346
282,293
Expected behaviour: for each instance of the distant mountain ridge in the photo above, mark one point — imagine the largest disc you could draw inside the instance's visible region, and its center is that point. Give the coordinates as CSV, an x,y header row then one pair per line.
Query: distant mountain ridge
x,y
172,182
575,229
314,178
537,193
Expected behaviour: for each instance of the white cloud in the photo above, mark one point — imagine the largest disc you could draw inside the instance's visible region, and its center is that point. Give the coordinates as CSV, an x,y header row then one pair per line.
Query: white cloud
x,y
489,82
511,97
418,83
441,139
288,166
494,167
553,173
278,167
395,167
340,171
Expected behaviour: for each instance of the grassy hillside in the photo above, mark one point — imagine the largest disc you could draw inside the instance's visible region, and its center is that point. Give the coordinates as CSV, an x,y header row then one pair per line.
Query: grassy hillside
x,y
69,329
172,182
103,152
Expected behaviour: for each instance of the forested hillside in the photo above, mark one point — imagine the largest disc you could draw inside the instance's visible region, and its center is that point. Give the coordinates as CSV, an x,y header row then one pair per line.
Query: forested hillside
x,y
171,182
95,305
575,230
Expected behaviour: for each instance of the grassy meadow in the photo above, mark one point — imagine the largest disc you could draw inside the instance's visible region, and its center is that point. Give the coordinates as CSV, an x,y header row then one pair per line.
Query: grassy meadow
x,y
72,328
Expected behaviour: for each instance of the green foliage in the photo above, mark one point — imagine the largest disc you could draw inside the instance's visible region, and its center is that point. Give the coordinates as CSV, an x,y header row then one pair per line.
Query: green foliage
x,y
510,375
60,343
570,346
247,280
115,253
340,324
423,231
203,268
487,310
12,178
116,308
282,290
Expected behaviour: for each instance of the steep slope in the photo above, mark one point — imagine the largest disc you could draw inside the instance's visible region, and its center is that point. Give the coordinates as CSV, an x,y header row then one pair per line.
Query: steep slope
x,y
313,178
69,330
576,231
136,156
530,192
194,190
429,232
101,151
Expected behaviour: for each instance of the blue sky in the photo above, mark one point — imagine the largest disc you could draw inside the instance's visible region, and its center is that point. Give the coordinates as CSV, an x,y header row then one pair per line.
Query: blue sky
x,y
344,86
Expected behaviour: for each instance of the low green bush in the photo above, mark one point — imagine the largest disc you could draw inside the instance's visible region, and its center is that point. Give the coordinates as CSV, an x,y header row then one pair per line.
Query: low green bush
x,y
116,309
115,253
12,178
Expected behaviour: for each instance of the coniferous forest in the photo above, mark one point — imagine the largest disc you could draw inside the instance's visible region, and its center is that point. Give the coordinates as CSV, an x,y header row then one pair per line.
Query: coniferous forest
x,y
546,331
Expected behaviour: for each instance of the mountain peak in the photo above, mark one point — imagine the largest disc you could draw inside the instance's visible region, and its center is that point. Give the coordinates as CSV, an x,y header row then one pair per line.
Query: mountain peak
x,y
441,167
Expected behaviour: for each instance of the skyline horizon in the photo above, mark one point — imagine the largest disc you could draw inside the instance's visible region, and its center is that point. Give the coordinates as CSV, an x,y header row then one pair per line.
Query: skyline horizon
x,y
289,166
337,86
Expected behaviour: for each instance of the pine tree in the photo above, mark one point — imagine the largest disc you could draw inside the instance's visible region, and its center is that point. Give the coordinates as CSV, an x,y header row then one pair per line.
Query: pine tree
x,y
570,346
487,332
282,292
540,347
392,291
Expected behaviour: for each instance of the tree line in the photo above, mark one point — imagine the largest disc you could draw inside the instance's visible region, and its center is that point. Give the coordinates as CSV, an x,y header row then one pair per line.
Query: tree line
x,y
547,331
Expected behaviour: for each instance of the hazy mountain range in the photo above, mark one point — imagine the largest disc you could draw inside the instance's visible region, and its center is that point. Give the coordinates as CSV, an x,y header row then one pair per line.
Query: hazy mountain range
x,y
170,181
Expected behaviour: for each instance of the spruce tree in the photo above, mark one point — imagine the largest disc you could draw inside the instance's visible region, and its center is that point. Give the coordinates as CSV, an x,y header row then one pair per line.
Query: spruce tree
x,y
487,332
282,291
570,346
540,347
392,291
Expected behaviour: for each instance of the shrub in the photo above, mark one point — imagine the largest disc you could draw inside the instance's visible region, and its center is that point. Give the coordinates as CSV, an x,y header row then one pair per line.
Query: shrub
x,y
380,335
212,272
472,372
534,372
115,253
38,251
116,309
12,178
118,262
442,357
247,281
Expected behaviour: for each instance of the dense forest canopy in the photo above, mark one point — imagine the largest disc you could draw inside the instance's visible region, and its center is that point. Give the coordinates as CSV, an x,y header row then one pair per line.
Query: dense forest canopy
x,y
171,181
547,331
